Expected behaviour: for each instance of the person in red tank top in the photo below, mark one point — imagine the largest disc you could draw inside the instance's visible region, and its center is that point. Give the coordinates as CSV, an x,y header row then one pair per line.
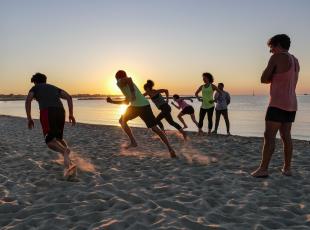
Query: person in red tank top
x,y
282,75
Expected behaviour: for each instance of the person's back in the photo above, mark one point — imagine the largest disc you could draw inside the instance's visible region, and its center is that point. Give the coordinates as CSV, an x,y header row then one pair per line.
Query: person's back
x,y
139,100
283,83
47,95
158,100
182,103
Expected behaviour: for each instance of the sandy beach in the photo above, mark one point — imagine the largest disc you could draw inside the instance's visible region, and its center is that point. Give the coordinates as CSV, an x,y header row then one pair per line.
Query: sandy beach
x,y
208,187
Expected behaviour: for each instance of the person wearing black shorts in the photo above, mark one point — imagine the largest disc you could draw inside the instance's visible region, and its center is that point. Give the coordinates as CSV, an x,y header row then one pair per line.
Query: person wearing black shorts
x,y
282,74
139,107
162,105
186,109
52,116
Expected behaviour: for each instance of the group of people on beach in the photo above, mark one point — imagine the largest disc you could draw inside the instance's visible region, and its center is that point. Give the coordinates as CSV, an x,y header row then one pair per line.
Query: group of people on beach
x,y
281,73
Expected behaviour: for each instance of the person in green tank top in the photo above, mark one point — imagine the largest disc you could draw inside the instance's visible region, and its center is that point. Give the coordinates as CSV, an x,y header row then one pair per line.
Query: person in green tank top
x,y
139,107
207,106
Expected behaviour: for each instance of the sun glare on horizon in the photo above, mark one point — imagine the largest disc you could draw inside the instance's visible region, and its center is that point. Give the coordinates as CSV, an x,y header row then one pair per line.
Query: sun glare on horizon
x,y
122,109
111,87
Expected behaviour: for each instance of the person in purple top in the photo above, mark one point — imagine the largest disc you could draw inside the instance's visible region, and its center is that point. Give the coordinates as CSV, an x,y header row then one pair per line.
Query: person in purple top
x,y
186,109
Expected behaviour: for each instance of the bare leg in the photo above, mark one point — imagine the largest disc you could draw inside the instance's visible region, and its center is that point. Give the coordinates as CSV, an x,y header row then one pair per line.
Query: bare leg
x,y
58,147
194,119
285,132
271,130
164,139
127,130
182,120
63,142
170,120
225,115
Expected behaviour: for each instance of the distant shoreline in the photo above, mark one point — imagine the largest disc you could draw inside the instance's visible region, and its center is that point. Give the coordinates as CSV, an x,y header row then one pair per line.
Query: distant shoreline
x,y
86,97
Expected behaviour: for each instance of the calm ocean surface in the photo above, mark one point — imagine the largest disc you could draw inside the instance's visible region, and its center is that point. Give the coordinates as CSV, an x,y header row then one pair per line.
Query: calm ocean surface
x,y
246,114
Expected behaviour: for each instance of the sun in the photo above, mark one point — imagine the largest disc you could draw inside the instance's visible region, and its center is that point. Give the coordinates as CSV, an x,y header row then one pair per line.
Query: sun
x,y
112,87
122,109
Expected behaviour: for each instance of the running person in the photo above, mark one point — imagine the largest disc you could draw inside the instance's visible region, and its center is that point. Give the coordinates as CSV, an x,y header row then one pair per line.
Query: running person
x,y
185,109
139,107
207,106
222,100
162,105
52,116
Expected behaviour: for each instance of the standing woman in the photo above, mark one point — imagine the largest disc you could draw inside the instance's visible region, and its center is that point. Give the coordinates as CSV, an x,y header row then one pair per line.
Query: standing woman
x,y
162,105
207,106
282,75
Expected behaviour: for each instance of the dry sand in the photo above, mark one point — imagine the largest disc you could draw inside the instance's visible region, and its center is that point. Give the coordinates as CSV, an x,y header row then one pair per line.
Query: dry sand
x,y
208,187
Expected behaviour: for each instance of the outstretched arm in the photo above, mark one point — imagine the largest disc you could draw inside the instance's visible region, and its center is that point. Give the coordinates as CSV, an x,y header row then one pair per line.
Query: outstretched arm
x,y
110,100
178,107
28,109
165,91
66,96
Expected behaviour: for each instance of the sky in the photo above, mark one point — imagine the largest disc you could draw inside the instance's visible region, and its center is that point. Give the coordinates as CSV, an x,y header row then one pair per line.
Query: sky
x,y
80,44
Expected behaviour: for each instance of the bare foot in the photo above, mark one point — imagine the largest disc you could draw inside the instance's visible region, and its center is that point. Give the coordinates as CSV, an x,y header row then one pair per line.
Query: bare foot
x,y
66,158
183,134
172,153
286,172
260,173
131,145
70,170
200,132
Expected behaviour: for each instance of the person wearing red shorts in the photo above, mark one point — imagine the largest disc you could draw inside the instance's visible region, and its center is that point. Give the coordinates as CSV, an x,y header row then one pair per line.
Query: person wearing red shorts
x,y
52,116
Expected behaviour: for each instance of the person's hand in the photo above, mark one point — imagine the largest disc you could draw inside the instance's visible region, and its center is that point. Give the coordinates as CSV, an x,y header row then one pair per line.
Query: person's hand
x,y
30,124
72,120
109,100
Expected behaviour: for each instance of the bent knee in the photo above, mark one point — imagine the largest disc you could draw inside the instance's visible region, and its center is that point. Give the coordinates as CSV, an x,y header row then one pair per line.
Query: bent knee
x,y
122,121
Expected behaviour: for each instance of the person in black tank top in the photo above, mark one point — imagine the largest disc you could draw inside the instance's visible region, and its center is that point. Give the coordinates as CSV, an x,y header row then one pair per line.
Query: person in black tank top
x,y
52,117
162,105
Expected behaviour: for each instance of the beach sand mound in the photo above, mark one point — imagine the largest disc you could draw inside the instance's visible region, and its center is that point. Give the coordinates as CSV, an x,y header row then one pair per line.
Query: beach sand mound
x,y
207,187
